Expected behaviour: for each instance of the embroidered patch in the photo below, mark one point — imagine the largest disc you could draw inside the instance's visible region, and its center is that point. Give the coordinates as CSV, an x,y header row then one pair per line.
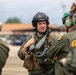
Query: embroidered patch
x,y
60,38
73,43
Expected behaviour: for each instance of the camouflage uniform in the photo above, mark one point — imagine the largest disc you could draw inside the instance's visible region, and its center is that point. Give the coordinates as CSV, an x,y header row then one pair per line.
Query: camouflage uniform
x,y
39,68
4,50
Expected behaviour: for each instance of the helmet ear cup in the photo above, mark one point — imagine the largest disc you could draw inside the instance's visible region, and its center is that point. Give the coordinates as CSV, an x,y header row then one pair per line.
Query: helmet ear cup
x,y
47,22
68,23
74,19
33,23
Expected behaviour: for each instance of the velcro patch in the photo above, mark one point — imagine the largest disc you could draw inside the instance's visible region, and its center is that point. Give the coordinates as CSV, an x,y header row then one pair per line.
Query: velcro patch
x,y
73,43
60,38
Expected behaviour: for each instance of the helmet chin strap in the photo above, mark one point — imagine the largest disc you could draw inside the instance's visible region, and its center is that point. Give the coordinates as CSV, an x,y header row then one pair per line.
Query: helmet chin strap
x,y
67,30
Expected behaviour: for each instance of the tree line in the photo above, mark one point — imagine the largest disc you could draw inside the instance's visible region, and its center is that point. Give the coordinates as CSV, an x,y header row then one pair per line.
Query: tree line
x,y
13,20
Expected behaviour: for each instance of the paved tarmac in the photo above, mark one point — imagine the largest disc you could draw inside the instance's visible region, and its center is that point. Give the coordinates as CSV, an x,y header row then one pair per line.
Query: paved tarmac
x,y
14,66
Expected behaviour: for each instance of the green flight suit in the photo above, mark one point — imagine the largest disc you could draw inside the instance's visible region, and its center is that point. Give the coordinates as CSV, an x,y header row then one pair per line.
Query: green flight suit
x,y
60,50
71,58
4,50
22,57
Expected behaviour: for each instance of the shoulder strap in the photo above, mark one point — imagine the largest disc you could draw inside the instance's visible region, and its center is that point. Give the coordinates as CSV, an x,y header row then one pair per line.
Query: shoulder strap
x,y
32,46
39,44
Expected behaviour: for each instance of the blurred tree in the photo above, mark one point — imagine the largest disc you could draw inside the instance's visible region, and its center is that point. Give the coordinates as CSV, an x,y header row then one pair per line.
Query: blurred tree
x,y
13,20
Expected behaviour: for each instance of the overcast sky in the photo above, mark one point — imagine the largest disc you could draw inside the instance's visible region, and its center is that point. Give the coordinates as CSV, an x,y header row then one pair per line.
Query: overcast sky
x,y
26,9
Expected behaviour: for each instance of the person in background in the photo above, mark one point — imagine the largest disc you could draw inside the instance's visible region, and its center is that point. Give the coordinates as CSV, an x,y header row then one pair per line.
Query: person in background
x,y
70,61
60,49
4,52
33,50
63,47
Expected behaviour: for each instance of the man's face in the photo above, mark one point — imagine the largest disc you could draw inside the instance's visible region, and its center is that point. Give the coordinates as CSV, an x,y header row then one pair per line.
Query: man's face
x,y
41,26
